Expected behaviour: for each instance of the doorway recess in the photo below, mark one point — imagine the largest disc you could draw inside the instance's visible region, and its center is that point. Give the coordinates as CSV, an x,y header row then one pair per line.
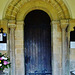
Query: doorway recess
x,y
37,43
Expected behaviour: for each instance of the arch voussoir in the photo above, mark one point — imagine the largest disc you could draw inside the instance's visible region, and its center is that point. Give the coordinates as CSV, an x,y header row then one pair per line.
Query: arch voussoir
x,y
15,6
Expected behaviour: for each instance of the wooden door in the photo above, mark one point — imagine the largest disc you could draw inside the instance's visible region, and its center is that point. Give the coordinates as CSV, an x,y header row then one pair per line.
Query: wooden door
x,y
37,51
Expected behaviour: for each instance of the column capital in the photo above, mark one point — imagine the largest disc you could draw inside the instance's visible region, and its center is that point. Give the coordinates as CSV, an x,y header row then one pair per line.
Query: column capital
x,y
20,22
64,23
72,24
55,21
12,24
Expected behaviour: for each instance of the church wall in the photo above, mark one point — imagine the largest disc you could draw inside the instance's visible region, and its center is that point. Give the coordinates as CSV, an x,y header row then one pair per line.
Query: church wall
x,y
56,44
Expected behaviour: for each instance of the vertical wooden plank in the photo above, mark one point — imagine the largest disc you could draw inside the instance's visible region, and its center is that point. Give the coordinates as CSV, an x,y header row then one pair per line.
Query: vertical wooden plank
x,y
38,44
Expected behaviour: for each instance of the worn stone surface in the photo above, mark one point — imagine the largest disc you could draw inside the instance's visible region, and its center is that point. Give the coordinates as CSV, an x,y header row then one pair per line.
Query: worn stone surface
x,y
56,48
65,50
19,49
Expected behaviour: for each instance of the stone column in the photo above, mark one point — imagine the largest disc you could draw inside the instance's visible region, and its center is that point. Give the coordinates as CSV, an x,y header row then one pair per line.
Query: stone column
x,y
65,62
19,48
12,26
56,47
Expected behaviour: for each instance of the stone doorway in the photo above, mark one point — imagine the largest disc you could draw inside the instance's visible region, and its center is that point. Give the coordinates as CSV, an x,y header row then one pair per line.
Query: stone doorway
x,y
37,43
59,22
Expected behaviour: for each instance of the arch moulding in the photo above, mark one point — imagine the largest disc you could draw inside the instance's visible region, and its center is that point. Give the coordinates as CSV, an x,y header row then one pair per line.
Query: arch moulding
x,y
56,9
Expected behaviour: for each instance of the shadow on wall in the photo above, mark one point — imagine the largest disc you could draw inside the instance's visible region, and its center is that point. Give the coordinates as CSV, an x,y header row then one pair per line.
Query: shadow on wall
x,y
72,72
72,39
72,35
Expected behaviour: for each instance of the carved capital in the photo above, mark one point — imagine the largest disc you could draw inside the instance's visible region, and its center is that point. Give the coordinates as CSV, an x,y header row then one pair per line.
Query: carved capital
x,y
72,24
55,22
11,24
64,23
20,23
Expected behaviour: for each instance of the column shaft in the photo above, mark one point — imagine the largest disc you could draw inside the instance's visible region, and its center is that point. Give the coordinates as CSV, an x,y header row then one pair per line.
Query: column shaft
x,y
63,51
65,62
12,51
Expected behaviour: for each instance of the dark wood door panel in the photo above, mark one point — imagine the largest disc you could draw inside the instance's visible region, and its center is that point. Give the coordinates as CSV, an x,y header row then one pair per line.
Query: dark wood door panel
x,y
38,50
37,39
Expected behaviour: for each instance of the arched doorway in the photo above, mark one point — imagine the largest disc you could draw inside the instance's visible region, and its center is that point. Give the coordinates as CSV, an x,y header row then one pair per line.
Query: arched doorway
x,y
37,43
59,15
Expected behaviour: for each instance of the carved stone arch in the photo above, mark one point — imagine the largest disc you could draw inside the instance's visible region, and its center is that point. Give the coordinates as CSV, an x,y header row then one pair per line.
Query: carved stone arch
x,y
56,9
17,10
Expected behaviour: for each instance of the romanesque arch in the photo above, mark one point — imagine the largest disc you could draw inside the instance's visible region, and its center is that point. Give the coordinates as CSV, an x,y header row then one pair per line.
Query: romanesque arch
x,y
59,14
17,9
